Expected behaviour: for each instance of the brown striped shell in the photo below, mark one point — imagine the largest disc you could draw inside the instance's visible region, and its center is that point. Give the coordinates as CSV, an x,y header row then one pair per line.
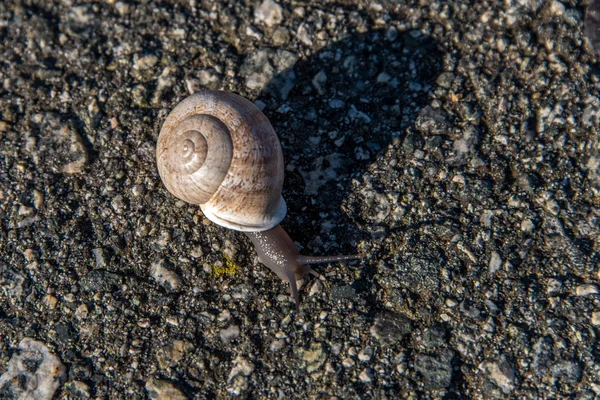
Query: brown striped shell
x,y
218,150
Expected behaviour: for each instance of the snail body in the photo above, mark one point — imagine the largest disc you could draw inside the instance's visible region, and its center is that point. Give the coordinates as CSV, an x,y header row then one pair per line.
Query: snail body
x,y
218,150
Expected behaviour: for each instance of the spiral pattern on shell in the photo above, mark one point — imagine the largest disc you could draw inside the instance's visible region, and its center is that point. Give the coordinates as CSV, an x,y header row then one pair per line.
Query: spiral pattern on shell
x,y
218,150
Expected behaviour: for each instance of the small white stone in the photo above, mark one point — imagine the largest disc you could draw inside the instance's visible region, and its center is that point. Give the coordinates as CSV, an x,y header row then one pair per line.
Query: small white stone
x,y
269,13
277,345
238,377
502,377
303,34
24,210
451,302
82,311
366,375
137,190
32,372
365,354
459,179
584,290
595,318
557,8
229,334
224,316
38,199
145,62
123,8
164,276
495,262
253,32
118,204
527,225
348,362
315,288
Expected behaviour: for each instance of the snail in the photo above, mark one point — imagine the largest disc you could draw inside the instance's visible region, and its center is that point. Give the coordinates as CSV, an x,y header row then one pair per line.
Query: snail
x,y
218,150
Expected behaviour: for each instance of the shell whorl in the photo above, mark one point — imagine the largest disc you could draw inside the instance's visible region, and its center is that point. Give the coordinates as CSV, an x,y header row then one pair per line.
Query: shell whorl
x,y
219,150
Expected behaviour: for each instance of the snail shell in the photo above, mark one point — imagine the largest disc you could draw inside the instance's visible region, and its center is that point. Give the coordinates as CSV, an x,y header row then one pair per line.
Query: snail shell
x,y
218,150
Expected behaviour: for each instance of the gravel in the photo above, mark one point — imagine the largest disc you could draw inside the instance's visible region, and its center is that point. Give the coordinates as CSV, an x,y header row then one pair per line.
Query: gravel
x,y
32,373
455,144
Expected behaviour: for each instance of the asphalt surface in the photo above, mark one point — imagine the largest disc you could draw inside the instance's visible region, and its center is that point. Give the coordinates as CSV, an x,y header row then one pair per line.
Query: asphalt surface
x,y
455,144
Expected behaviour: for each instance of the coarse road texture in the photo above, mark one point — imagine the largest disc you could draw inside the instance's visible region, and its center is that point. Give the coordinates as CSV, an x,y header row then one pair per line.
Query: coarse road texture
x,y
454,143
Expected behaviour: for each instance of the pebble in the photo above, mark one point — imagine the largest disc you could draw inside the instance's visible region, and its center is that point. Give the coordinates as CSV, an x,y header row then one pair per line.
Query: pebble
x,y
435,370
28,221
314,357
99,257
591,27
557,8
304,35
24,210
238,376
587,289
435,337
253,32
569,371
315,288
79,390
29,254
138,190
365,354
451,302
243,291
38,199
229,334
163,390
50,301
342,292
123,8
171,354
32,372
281,36
366,375
595,318
495,262
166,80
391,328
527,225
164,276
383,77
82,311
269,13
118,204
348,362
355,115
145,62
276,345
270,69
77,152
319,80
501,373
